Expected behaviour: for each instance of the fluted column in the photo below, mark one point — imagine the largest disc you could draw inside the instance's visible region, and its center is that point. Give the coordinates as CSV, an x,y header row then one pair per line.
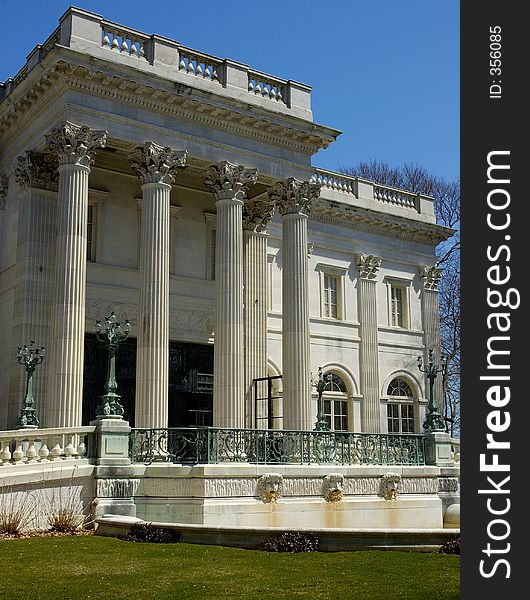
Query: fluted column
x,y
228,185
75,148
293,198
256,215
367,268
156,168
37,177
430,277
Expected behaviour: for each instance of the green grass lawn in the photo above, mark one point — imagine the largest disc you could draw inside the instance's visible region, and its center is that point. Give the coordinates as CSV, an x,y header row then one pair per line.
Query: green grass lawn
x,y
92,567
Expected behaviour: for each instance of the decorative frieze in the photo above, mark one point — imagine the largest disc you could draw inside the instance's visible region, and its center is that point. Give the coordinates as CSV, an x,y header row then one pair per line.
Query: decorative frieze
x,y
367,265
293,196
447,484
37,170
76,144
430,276
227,181
116,488
156,164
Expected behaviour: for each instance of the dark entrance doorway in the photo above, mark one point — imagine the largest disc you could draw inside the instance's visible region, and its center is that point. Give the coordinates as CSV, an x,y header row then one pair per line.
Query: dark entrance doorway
x,y
190,381
190,384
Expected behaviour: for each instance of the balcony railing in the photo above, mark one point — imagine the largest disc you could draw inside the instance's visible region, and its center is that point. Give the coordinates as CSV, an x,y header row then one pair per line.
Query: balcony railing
x,y
210,445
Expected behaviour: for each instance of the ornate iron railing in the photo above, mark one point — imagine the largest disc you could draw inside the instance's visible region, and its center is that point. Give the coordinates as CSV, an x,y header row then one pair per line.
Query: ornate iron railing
x,y
211,445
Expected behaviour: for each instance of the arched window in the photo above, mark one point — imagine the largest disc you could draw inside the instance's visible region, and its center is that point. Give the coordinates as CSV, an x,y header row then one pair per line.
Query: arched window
x,y
335,398
400,407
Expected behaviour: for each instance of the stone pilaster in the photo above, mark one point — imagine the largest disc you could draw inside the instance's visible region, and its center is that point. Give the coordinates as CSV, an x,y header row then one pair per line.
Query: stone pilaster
x,y
228,185
293,198
430,277
367,268
256,215
75,147
156,168
37,177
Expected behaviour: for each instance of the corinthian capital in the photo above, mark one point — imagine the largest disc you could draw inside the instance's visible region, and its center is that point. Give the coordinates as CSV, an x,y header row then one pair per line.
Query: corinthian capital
x,y
256,215
227,181
4,185
367,265
157,164
37,170
293,196
76,144
430,276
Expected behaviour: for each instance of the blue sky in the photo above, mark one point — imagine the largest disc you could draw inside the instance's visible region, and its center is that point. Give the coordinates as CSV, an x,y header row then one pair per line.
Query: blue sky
x,y
384,72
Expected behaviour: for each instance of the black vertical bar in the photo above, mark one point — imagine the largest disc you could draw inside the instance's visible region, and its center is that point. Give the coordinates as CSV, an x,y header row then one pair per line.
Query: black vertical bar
x,y
270,408
494,165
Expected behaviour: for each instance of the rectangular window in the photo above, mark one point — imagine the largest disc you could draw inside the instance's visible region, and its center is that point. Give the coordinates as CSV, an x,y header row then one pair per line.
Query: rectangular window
x,y
91,234
397,306
400,418
393,418
407,418
331,286
341,415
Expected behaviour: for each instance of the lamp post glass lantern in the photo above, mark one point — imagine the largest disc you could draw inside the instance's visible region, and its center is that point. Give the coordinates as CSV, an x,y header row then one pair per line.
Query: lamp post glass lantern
x,y
433,420
113,334
30,357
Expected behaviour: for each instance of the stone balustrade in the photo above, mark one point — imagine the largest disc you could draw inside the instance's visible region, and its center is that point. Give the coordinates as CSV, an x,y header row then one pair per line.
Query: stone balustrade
x,y
123,40
375,193
92,35
200,65
396,196
266,86
23,446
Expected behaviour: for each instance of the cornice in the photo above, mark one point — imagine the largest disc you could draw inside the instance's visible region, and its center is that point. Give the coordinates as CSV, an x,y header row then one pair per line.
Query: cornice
x,y
362,219
180,101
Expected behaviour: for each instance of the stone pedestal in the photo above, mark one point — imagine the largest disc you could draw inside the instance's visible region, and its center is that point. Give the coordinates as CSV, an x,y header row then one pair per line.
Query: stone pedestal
x,y
438,449
112,441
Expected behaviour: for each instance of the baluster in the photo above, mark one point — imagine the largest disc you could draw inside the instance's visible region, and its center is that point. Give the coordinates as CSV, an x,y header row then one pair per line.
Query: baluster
x,y
141,51
132,48
207,72
18,453
69,449
123,47
279,95
265,90
44,451
5,452
215,77
56,451
191,66
114,45
81,448
105,42
272,93
198,70
182,63
31,452
251,86
257,87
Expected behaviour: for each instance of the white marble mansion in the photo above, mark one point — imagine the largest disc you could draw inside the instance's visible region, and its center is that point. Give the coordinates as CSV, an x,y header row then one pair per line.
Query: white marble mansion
x,y
176,189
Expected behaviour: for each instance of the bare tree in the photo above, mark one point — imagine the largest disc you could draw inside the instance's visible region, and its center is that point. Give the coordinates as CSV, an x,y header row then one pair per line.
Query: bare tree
x,y
447,208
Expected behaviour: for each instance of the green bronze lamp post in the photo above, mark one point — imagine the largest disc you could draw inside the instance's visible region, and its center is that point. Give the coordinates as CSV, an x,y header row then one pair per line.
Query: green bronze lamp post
x,y
113,335
321,424
434,420
30,358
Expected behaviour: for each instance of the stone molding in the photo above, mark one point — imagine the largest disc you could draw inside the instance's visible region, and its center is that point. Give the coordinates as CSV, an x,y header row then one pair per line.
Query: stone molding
x,y
257,215
75,144
430,277
37,170
293,196
367,265
156,164
227,181
178,103
371,221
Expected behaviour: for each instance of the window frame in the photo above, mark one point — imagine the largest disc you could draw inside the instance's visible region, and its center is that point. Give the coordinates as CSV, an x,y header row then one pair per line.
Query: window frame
x,y
339,274
400,404
404,286
336,397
